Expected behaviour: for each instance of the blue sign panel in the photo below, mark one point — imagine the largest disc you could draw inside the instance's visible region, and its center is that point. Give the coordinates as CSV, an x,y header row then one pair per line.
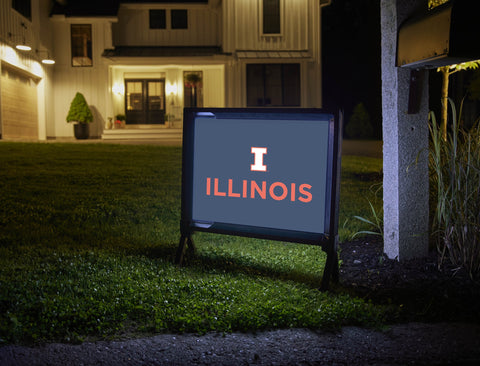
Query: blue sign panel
x,y
268,173
261,173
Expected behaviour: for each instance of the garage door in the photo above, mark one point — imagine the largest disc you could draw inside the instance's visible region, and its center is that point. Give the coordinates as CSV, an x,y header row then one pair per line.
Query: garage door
x,y
19,105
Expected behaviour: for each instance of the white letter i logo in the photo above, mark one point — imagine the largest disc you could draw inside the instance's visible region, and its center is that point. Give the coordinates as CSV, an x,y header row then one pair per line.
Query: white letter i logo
x,y
258,166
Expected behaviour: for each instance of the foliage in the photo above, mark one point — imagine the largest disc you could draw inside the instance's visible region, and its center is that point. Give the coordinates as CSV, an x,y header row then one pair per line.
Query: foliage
x,y
455,166
87,242
446,72
434,3
79,110
359,125
375,223
193,79
120,117
474,86
361,187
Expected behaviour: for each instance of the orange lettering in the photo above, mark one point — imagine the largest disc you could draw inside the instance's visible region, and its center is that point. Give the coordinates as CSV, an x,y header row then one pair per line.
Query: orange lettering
x,y
215,189
244,192
230,189
272,191
254,187
208,186
308,195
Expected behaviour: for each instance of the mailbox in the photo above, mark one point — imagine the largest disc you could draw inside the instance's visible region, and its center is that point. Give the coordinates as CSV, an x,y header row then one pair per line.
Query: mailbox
x,y
446,35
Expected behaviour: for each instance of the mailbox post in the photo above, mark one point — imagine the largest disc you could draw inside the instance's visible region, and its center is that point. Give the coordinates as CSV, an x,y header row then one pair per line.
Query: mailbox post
x,y
423,40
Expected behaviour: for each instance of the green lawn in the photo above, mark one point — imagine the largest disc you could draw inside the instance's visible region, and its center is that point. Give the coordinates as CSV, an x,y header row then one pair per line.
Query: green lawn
x,y
88,234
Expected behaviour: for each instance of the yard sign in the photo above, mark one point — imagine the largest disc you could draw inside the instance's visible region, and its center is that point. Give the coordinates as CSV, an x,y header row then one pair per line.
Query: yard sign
x,y
264,173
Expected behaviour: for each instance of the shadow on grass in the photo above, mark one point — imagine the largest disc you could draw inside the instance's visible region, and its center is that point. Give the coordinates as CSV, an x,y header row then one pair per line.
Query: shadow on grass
x,y
215,263
225,263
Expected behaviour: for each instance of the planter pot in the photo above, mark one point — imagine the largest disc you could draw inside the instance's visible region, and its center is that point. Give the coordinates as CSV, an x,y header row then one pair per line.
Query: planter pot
x,y
81,131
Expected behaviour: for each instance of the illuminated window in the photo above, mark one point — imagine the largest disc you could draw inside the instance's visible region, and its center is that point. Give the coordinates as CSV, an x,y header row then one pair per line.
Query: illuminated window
x,y
81,40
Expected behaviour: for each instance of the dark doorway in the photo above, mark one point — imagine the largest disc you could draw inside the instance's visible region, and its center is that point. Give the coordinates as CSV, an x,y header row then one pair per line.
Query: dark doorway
x,y
145,101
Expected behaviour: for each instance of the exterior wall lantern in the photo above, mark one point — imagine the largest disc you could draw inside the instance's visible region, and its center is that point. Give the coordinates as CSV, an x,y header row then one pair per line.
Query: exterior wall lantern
x,y
20,41
47,60
172,91
118,89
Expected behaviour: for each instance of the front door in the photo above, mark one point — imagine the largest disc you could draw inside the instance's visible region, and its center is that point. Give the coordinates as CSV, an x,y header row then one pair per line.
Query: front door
x,y
145,101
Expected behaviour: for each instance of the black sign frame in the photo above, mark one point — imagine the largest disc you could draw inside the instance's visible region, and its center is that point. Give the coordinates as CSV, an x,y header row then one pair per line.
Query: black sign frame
x,y
328,240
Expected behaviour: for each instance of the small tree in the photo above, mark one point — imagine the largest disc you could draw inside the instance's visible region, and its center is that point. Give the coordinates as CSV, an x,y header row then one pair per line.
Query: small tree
x,y
359,125
79,110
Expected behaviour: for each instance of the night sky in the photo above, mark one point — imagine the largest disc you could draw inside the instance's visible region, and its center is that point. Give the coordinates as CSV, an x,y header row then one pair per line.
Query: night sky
x,y
351,58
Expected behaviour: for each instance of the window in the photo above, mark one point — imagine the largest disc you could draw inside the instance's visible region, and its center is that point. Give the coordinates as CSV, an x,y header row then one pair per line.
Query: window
x,y
81,40
179,19
24,7
271,17
273,85
158,19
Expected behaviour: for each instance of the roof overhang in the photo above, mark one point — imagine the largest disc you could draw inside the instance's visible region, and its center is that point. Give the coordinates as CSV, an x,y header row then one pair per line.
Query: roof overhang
x,y
278,55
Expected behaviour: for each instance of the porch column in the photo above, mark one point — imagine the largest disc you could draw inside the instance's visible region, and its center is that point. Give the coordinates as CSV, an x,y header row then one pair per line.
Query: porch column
x,y
405,138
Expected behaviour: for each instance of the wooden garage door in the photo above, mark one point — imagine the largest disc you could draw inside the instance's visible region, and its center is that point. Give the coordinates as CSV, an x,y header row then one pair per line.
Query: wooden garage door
x,y
19,105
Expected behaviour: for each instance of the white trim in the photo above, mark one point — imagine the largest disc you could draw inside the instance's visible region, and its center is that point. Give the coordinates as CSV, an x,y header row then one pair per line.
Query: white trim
x,y
260,21
153,6
83,20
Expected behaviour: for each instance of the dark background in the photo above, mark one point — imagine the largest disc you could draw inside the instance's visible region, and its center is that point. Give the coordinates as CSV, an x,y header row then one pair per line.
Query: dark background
x,y
351,58
351,66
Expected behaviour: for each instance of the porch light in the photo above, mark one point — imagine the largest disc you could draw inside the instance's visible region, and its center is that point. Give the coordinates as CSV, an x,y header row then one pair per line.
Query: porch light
x,y
118,89
21,45
47,60
172,89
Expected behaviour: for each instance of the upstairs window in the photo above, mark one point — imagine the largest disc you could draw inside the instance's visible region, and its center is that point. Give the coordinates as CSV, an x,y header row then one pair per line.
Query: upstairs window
x,y
81,41
158,19
179,19
271,17
24,7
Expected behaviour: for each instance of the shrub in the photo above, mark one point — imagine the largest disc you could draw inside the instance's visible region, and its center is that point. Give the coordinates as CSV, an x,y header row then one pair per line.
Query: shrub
x,y
359,125
79,110
455,180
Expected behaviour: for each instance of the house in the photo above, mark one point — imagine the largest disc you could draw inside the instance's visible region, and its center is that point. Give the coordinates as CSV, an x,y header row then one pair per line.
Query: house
x,y
147,60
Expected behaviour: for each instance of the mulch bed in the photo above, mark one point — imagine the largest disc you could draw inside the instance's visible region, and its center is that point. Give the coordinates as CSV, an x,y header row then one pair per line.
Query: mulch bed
x,y
423,291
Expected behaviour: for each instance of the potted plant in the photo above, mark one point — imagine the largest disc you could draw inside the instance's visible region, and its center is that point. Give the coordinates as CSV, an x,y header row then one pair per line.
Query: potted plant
x,y
81,115
120,121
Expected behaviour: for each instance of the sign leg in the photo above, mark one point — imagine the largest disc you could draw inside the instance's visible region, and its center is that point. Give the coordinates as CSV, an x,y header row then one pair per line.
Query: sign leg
x,y
185,242
331,271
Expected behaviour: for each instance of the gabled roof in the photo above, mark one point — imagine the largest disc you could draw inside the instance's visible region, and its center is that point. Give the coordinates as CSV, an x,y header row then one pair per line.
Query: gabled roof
x,y
92,8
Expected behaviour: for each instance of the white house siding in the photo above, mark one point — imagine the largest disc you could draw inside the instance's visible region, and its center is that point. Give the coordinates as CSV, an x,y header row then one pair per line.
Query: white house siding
x,y
242,31
133,27
91,81
300,37
36,32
